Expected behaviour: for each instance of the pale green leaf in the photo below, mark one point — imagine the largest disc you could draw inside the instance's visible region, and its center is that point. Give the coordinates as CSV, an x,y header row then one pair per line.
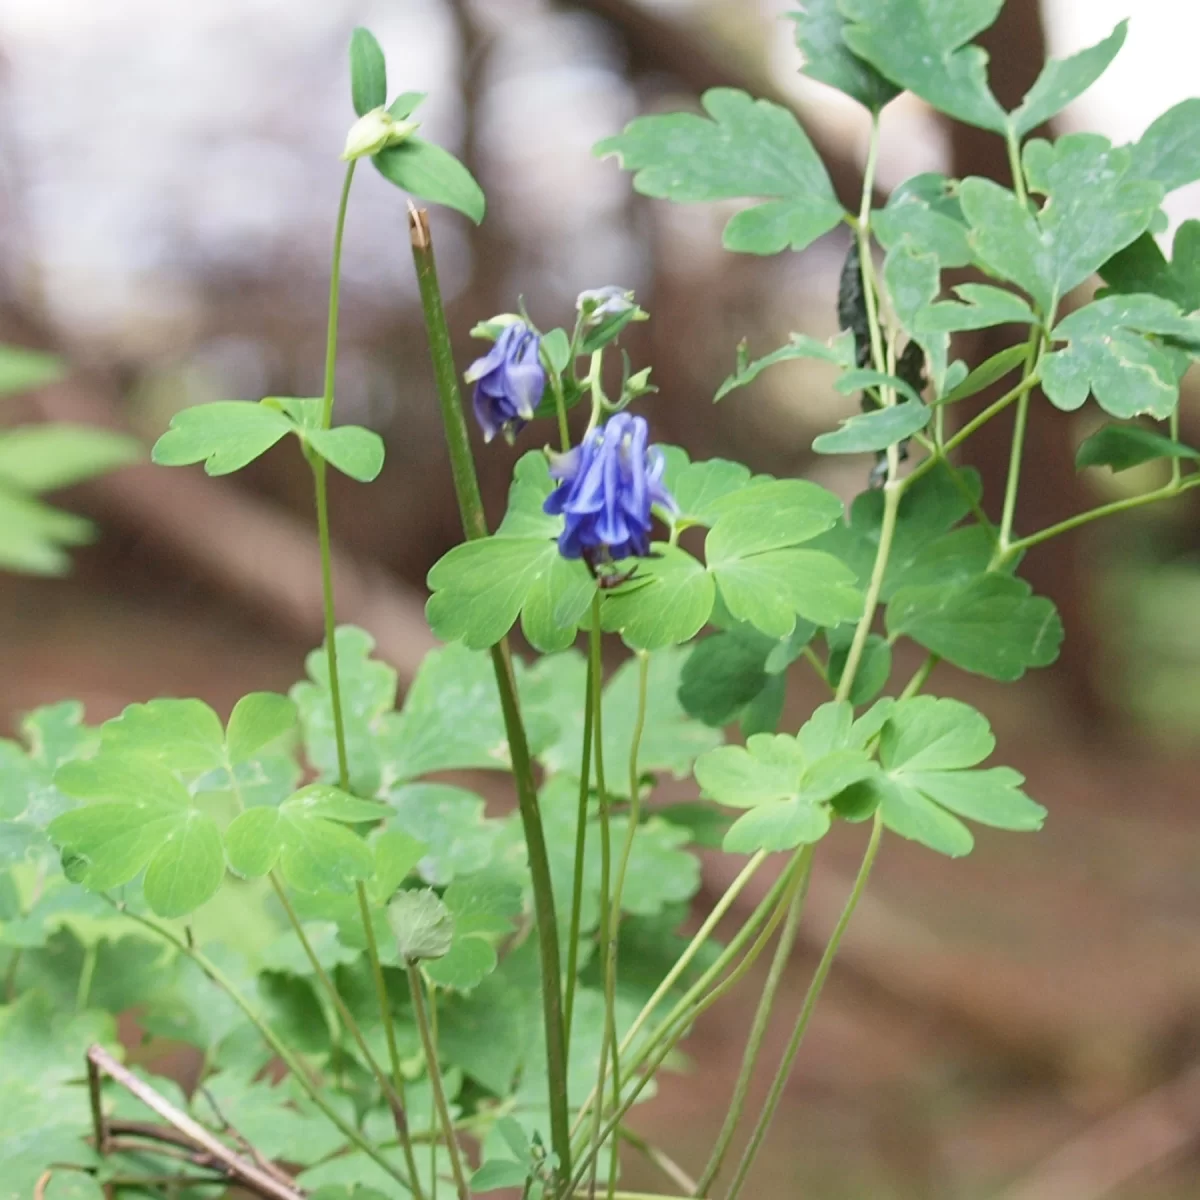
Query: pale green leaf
x,y
667,602
225,435
840,352
876,430
42,458
421,924
354,451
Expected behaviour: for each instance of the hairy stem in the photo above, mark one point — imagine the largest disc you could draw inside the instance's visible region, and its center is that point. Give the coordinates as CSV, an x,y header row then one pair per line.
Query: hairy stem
x,y
758,1030
470,503
435,1079
806,1011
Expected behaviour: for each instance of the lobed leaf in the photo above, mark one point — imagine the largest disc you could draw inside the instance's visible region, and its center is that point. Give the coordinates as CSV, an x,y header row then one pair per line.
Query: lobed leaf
x,y
827,58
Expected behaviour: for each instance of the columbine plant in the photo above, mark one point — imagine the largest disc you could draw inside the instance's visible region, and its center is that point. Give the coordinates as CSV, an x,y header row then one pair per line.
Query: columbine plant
x,y
479,1002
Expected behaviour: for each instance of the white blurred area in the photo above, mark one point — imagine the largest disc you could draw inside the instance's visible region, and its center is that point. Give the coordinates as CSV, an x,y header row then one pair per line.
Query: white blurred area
x,y
151,150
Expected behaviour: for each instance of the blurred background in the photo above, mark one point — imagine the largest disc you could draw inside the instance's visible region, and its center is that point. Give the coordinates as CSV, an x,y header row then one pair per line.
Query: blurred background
x,y
1025,1024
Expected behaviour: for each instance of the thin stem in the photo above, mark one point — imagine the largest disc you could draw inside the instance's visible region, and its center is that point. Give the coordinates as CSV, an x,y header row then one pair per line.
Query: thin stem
x,y
560,409
758,1030
994,409
287,1056
391,1093
335,690
606,934
1173,429
335,287
1014,162
585,772
1013,483
1104,510
862,231
466,486
810,656
435,1079
663,1161
87,971
920,677
892,493
806,1011
689,1009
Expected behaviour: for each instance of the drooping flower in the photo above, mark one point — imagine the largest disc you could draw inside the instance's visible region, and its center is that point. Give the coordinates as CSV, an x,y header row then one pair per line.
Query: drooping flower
x,y
509,380
597,303
607,486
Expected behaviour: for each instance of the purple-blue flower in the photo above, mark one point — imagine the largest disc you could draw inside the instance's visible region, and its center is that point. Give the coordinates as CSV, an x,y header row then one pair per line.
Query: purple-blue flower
x,y
509,380
605,491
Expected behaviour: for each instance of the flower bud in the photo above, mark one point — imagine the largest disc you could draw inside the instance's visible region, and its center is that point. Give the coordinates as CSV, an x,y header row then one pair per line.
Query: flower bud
x,y
375,131
596,304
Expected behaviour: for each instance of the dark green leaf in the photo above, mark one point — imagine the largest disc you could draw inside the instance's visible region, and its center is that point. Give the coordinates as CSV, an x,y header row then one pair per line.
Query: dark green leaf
x,y
828,59
498,1173
983,307
874,668
1142,267
921,45
1123,446
1065,79
926,210
875,430
225,435
990,371
433,174
840,352
368,72
748,149
857,380
990,626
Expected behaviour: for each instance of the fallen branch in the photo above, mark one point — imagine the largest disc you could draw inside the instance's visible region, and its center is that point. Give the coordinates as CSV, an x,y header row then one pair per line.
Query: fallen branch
x,y
181,1132
1160,1126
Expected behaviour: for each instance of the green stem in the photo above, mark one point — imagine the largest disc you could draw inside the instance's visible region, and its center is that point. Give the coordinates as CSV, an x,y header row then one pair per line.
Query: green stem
x,y
560,409
806,1012
892,493
335,287
810,656
585,771
596,675
920,677
862,231
466,486
1013,483
664,1162
1104,510
10,976
435,1079
1173,430
335,690
977,422
758,1030
282,1051
689,1008
394,1099
1014,162
84,988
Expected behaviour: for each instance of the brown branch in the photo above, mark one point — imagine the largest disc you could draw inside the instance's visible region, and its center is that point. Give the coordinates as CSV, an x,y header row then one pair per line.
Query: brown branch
x,y
183,1131
1159,1126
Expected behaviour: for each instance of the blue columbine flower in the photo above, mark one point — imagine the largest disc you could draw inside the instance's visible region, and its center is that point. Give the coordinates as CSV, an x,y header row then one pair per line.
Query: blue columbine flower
x,y
606,488
509,380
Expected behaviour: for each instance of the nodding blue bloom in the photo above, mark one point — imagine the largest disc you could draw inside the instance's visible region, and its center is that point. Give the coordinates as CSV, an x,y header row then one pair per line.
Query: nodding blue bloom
x,y
605,491
509,380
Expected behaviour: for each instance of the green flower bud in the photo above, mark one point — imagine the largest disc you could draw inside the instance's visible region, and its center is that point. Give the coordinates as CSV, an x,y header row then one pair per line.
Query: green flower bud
x,y
375,131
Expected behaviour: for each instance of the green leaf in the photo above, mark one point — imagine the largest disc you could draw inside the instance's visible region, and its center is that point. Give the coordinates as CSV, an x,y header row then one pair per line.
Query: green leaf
x,y
24,370
257,721
1065,79
1123,446
1095,207
874,668
827,58
786,782
699,487
406,104
1169,151
449,822
770,515
354,451
483,911
983,307
875,430
1110,357
926,749
748,149
989,371
433,174
33,535
181,735
858,380
498,1173
225,435
480,587
421,924
368,72
303,835
141,817
1142,267
43,458
920,45
839,351
556,350
723,674
926,210
667,602
991,625
670,739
